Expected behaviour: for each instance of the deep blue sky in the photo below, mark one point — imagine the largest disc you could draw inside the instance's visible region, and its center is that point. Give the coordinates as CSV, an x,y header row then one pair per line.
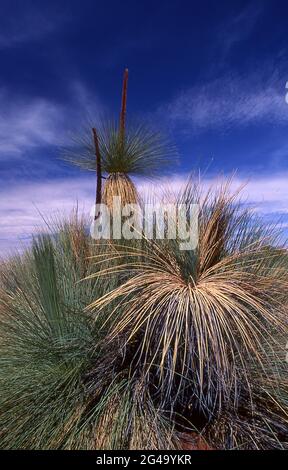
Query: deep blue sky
x,y
212,73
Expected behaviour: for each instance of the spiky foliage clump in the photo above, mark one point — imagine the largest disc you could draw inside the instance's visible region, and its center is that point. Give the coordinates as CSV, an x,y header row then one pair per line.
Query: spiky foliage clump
x,y
45,340
61,387
141,151
198,324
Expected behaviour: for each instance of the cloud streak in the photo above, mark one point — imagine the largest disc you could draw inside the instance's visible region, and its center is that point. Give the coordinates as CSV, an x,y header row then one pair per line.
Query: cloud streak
x,y
30,123
21,207
238,28
26,124
26,24
230,102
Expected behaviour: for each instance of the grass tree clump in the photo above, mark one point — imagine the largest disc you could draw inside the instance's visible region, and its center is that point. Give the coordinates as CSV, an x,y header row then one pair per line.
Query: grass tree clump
x,y
45,340
61,386
207,328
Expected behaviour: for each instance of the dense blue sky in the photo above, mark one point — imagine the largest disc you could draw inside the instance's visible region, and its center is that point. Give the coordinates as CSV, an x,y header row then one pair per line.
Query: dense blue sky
x,y
213,73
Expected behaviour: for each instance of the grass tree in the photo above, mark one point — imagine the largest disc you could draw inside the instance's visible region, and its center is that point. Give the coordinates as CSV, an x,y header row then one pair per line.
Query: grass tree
x,y
123,150
206,329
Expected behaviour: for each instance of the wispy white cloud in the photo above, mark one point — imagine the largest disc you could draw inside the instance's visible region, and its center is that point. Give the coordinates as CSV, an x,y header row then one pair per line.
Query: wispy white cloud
x,y
25,124
23,23
238,28
267,195
29,123
230,101
21,207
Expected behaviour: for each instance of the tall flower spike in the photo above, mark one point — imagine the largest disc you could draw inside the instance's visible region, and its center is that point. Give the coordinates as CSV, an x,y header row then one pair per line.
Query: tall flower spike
x,y
98,169
123,104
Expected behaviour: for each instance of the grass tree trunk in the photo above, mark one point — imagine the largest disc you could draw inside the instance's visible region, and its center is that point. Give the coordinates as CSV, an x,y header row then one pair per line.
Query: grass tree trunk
x,y
123,106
